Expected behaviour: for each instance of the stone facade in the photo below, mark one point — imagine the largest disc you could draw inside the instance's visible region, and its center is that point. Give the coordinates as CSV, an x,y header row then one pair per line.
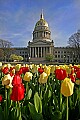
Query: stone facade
x,y
41,45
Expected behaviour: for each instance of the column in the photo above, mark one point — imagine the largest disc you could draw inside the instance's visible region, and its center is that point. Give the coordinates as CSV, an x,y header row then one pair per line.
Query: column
x,y
33,52
30,51
50,50
38,51
41,52
44,51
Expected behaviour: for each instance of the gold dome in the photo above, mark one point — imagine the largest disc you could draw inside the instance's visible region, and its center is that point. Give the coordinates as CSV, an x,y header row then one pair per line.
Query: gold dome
x,y
41,30
41,22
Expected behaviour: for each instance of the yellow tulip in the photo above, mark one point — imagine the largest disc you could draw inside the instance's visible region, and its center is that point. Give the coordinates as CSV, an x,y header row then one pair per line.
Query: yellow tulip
x,y
17,67
0,64
78,66
8,65
77,82
52,69
3,66
67,87
7,81
28,76
40,65
47,70
43,78
68,69
35,69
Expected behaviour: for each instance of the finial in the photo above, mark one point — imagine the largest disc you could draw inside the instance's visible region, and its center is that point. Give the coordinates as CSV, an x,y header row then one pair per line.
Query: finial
x,y
42,17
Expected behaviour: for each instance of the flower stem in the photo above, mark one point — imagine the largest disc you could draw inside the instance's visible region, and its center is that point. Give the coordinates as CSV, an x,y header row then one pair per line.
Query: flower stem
x,y
67,109
6,103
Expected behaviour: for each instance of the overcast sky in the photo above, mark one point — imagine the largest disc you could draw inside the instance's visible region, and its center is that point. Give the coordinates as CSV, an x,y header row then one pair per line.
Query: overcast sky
x,y
18,18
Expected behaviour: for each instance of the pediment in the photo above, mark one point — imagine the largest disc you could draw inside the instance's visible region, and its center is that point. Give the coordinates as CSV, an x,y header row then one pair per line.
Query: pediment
x,y
40,42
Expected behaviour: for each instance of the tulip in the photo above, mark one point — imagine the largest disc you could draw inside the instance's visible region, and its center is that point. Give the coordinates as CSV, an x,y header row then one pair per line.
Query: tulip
x,y
17,67
77,82
23,70
7,81
17,92
8,65
60,74
35,69
43,78
28,76
75,68
1,98
78,74
16,80
5,70
73,79
52,69
0,65
67,87
68,69
3,66
40,70
47,70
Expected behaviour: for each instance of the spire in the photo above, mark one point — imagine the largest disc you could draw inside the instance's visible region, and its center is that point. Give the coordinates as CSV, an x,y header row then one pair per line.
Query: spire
x,y
42,17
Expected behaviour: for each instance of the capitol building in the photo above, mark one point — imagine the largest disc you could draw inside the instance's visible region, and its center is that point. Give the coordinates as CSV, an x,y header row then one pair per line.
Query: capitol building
x,y
42,45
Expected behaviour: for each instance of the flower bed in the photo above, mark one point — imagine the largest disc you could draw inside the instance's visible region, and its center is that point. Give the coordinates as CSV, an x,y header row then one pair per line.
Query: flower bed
x,y
39,92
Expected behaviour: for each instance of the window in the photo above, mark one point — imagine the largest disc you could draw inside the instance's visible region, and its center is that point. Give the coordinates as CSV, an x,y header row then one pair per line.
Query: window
x,y
55,56
55,51
58,51
64,51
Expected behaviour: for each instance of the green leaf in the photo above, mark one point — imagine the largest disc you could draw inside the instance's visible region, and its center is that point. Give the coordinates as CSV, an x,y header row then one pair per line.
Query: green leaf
x,y
34,114
57,115
29,94
37,103
1,113
49,95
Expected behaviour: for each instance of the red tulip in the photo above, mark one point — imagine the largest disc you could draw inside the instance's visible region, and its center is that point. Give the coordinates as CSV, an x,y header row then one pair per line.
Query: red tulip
x,y
11,74
23,70
5,70
78,74
60,74
0,98
73,79
75,68
16,80
40,70
17,92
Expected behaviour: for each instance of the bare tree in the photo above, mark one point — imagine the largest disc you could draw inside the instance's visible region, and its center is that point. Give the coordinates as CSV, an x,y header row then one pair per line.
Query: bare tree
x,y
5,46
74,42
